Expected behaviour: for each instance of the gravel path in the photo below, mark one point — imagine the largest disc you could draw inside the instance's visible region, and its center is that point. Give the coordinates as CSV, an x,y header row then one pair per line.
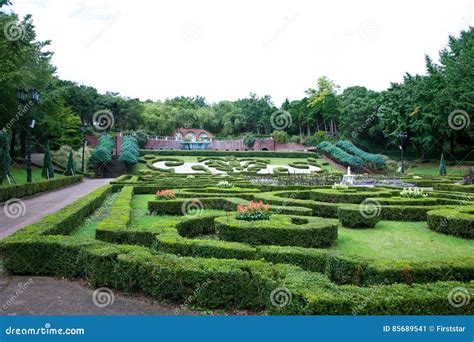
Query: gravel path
x,y
20,213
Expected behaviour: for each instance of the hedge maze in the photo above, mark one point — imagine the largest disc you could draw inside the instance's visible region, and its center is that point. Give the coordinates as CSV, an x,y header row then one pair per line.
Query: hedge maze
x,y
168,248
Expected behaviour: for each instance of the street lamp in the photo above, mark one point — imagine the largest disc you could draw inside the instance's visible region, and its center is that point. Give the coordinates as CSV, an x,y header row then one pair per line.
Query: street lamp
x,y
402,136
84,127
22,96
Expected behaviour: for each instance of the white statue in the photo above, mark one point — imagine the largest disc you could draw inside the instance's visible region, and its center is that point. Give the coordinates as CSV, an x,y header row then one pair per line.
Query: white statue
x,y
349,170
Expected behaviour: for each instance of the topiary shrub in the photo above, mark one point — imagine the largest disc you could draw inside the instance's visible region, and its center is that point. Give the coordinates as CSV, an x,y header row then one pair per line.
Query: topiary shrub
x,y
353,217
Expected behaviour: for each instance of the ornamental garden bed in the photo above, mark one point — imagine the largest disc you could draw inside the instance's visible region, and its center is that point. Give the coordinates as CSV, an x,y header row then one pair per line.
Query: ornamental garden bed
x,y
121,236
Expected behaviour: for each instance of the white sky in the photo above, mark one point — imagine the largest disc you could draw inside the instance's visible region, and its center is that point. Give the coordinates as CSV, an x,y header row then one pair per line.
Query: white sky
x,y
224,49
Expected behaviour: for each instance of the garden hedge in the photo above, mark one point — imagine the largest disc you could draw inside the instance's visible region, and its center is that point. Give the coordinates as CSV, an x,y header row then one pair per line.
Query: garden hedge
x,y
373,161
458,221
29,189
279,230
340,156
352,217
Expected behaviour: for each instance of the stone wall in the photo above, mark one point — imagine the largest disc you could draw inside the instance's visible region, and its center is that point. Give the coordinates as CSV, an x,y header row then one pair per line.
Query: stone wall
x,y
261,144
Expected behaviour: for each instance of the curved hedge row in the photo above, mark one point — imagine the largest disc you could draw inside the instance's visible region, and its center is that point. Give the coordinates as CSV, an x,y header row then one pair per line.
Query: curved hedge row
x,y
340,156
280,230
458,221
373,161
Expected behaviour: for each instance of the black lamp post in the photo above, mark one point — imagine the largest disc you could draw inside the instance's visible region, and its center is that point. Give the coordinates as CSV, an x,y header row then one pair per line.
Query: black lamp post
x,y
22,96
402,136
84,127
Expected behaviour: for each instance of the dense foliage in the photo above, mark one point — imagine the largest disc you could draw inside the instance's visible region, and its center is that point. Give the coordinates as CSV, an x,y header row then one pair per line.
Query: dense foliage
x,y
340,156
129,150
103,151
421,105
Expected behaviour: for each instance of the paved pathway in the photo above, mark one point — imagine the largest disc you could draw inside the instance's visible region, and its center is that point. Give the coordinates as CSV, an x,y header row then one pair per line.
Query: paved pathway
x,y
32,209
23,295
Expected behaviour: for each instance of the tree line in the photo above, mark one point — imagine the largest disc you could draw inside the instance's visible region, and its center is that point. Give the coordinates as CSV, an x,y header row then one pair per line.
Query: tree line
x,y
421,105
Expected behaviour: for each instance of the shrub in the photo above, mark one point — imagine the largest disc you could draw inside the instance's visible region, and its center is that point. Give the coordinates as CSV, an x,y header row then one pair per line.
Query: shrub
x,y
413,193
129,150
373,161
165,195
30,189
352,217
340,186
280,137
340,156
299,165
458,221
225,185
254,211
280,230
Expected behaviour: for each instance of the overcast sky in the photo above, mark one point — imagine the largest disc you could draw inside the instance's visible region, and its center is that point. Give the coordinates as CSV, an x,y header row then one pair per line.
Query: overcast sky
x,y
225,49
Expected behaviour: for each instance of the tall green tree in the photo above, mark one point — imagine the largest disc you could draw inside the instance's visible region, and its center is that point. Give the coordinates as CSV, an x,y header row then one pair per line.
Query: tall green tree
x,y
70,169
48,171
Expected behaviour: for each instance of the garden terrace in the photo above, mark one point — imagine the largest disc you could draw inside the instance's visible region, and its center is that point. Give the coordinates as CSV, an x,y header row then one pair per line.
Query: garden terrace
x,y
165,248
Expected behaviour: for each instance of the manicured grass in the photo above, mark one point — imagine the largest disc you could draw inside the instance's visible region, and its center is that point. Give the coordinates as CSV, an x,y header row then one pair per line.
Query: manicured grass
x,y
19,175
433,169
402,241
88,227
141,219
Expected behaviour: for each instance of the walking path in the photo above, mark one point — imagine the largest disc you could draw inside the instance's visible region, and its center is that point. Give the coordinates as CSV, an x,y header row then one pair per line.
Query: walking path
x,y
30,210
23,295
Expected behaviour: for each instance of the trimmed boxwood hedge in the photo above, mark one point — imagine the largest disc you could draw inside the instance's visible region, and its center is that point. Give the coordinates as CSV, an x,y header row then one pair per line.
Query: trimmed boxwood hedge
x,y
373,161
29,189
352,217
457,221
340,156
351,195
279,230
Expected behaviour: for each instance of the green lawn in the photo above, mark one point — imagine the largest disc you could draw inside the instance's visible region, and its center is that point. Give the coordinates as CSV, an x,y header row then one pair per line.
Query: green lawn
x,y
389,240
433,169
88,227
141,219
402,241
19,175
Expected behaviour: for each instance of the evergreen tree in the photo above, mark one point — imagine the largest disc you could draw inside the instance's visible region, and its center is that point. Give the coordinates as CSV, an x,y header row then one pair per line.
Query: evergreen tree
x,y
70,169
5,159
48,171
442,166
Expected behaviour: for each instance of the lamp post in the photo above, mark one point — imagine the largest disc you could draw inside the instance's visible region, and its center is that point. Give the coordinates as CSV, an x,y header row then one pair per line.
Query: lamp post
x,y
84,127
402,136
22,95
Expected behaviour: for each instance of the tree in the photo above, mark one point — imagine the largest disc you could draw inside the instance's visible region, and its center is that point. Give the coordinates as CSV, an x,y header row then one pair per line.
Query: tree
x,y
48,171
129,150
70,169
103,151
280,137
5,159
442,166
